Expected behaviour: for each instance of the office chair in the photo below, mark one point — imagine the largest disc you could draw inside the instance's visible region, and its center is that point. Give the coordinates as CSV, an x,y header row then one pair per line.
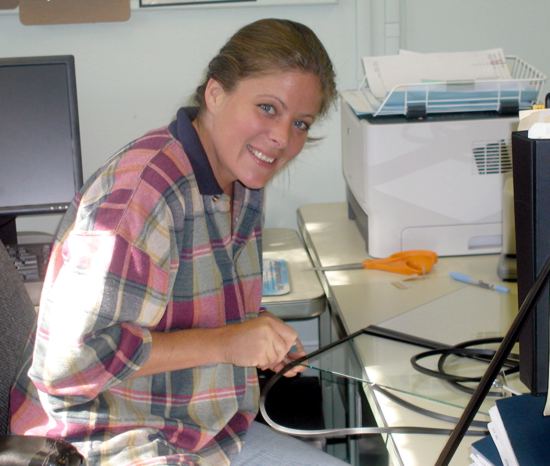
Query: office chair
x,y
17,320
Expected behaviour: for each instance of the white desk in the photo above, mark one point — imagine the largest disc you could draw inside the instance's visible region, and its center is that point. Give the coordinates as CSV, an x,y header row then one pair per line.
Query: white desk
x,y
435,307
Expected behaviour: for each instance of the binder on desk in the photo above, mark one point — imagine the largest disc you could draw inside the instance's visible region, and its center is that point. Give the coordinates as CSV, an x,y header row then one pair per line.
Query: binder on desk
x,y
520,430
484,453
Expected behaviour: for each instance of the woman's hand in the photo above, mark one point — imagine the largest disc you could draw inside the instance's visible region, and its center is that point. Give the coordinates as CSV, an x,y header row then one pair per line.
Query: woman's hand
x,y
295,353
264,342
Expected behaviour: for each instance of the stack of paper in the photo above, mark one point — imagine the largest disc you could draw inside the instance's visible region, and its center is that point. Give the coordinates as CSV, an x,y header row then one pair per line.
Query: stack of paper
x,y
385,72
443,82
536,123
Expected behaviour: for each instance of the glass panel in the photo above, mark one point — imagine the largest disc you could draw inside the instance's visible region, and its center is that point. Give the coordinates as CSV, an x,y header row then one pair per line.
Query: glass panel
x,y
386,364
384,373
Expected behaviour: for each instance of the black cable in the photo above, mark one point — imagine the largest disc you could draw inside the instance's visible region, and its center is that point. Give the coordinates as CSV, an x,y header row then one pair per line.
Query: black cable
x,y
463,350
511,363
481,355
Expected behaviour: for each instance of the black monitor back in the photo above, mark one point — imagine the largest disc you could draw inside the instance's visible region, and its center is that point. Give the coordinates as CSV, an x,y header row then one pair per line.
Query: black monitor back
x,y
531,173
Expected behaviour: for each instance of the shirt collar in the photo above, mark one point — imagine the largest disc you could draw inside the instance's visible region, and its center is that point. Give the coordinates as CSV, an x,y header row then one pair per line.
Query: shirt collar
x,y
183,130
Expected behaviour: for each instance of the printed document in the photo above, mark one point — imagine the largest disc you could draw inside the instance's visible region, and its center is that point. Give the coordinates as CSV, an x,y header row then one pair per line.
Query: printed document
x,y
383,73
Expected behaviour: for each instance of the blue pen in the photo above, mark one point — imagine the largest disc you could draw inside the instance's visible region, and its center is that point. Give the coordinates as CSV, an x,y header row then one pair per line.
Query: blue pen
x,y
462,277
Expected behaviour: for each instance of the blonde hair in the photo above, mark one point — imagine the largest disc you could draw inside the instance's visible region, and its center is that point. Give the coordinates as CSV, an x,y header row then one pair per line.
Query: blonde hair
x,y
269,45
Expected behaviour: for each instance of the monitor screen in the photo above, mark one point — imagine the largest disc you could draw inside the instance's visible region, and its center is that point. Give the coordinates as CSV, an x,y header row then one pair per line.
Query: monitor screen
x,y
39,138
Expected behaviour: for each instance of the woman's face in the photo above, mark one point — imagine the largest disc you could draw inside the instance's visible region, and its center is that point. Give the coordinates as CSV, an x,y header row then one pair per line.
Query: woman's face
x,y
257,128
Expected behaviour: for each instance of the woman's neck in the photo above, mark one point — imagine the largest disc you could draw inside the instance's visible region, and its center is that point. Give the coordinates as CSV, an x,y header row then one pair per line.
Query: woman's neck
x,y
202,129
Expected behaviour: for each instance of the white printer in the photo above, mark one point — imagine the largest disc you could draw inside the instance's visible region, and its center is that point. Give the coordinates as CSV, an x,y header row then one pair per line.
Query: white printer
x,y
421,180
434,183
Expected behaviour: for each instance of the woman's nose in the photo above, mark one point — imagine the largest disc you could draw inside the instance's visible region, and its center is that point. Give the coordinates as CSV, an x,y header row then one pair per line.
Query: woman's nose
x,y
280,134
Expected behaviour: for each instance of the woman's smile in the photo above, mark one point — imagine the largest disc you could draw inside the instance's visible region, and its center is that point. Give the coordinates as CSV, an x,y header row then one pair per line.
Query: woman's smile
x,y
260,155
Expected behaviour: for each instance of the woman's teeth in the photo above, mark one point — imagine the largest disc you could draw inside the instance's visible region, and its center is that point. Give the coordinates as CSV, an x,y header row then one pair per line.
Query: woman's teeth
x,y
260,155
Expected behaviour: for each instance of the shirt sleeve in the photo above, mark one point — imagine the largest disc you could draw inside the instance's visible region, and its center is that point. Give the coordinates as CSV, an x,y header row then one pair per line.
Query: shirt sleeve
x,y
101,297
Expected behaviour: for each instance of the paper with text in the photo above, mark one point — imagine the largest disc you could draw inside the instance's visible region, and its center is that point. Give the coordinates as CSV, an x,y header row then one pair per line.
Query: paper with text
x,y
383,73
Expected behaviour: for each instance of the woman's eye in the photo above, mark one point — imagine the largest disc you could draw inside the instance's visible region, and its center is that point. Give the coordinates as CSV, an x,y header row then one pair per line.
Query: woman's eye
x,y
267,108
302,125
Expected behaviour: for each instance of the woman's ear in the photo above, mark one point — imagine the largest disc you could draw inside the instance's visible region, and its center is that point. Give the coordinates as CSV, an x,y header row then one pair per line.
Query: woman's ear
x,y
213,94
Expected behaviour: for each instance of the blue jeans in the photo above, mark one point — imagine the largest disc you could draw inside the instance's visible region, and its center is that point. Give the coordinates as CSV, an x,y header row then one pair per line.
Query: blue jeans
x,y
263,446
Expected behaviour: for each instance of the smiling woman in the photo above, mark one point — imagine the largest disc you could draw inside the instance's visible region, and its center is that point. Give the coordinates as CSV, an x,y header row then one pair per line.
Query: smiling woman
x,y
254,130
154,285
260,96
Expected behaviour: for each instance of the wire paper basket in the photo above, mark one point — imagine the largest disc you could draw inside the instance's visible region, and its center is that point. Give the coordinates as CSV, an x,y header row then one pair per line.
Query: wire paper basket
x,y
500,95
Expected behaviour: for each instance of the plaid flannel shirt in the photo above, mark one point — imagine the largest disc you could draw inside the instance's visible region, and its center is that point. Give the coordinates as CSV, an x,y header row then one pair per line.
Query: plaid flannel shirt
x,y
151,244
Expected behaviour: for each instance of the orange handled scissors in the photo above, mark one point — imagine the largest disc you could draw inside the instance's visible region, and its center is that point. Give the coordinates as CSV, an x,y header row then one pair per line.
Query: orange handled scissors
x,y
411,262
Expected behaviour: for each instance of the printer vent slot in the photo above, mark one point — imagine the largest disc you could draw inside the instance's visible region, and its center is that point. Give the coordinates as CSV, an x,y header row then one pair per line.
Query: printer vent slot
x,y
493,157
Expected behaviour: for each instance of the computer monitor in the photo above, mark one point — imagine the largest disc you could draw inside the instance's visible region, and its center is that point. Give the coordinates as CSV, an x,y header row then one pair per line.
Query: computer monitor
x,y
41,168
531,173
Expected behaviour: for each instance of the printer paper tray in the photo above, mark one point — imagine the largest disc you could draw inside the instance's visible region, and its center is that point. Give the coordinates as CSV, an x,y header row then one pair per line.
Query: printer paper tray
x,y
499,95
